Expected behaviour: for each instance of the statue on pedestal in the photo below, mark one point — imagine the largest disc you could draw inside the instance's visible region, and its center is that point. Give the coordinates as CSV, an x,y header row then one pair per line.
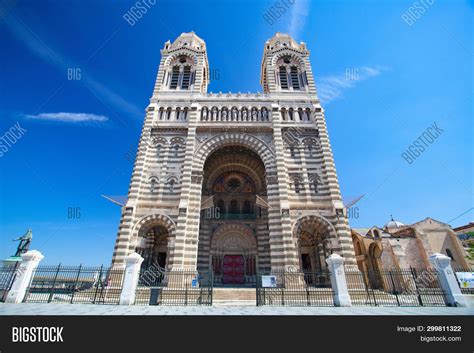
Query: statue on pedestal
x,y
24,244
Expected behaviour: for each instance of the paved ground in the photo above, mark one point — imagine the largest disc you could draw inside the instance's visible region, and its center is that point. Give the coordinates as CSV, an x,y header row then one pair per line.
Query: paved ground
x,y
90,309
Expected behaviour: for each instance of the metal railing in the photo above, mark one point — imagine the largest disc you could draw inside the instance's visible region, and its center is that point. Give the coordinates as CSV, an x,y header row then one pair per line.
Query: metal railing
x,y
407,287
159,287
7,276
309,288
75,284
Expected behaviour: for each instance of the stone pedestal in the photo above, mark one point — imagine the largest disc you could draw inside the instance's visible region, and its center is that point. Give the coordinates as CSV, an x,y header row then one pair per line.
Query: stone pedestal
x,y
338,280
24,274
130,281
447,279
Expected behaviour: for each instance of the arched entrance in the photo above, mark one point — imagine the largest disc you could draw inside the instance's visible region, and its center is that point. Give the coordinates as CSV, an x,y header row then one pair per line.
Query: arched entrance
x,y
154,238
234,253
315,243
234,232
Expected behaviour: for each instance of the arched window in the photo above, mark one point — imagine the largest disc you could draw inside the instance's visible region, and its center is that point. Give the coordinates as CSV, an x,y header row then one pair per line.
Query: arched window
x,y
171,183
221,206
186,82
176,150
297,186
185,113
247,207
295,82
449,253
161,113
168,114
283,114
153,185
182,75
174,77
314,182
290,114
283,78
178,112
310,149
234,207
300,114
290,74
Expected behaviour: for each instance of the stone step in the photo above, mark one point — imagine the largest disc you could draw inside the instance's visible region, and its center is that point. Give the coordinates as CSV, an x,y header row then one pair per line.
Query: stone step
x,y
234,303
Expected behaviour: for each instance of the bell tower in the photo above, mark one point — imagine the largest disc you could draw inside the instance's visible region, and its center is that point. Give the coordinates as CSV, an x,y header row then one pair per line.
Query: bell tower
x,y
184,68
286,68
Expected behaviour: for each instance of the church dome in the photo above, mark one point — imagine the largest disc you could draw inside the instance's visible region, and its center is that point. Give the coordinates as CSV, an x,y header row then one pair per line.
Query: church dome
x,y
393,225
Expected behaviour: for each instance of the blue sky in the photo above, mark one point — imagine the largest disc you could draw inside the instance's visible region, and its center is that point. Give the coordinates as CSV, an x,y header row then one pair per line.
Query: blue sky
x,y
404,78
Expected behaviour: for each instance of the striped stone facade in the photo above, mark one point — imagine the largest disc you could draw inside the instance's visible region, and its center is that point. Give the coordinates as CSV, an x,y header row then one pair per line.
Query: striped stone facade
x,y
275,142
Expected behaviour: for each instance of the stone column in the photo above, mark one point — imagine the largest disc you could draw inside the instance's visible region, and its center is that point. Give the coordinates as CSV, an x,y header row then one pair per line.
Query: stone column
x,y
447,279
130,281
338,280
24,274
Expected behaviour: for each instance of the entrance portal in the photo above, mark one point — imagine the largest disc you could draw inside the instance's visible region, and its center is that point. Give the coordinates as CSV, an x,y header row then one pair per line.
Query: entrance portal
x,y
233,269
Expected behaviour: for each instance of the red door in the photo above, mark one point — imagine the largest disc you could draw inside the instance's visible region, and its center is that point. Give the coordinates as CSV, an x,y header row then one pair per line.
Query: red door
x,y
233,269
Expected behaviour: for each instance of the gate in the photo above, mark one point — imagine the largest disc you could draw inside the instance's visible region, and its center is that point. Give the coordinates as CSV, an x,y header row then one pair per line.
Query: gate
x,y
75,284
409,287
159,287
309,288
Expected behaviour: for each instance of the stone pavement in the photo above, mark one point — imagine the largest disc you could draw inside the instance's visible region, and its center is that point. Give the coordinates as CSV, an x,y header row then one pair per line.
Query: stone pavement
x,y
91,309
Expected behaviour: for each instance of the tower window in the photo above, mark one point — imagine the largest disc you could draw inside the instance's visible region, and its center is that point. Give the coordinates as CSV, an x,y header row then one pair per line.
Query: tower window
x,y
186,77
295,82
283,78
174,77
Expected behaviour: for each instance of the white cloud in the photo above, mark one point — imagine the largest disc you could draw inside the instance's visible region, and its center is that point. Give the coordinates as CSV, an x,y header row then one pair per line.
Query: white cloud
x,y
299,13
332,87
69,117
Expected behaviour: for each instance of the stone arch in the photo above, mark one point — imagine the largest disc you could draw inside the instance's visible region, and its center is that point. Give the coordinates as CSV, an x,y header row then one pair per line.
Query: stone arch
x,y
176,55
290,53
233,238
150,220
253,143
318,221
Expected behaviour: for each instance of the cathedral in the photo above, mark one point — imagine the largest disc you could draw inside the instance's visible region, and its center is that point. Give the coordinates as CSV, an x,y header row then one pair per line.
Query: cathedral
x,y
234,182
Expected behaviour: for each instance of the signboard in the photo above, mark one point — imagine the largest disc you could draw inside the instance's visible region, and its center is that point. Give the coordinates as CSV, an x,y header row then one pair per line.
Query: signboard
x,y
194,283
465,279
269,281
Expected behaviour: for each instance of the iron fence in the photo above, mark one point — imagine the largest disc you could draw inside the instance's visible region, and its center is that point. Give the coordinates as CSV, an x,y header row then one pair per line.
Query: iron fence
x,y
159,287
310,288
75,284
464,290
7,276
408,287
